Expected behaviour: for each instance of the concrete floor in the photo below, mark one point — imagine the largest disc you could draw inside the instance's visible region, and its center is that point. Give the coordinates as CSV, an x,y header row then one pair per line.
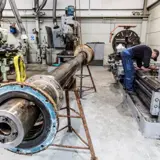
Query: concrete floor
x,y
114,132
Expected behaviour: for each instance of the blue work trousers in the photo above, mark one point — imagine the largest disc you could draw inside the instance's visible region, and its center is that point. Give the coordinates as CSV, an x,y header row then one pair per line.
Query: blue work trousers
x,y
129,70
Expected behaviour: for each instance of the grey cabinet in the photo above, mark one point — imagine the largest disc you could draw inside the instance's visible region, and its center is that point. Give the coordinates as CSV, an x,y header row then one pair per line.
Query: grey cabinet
x,y
98,48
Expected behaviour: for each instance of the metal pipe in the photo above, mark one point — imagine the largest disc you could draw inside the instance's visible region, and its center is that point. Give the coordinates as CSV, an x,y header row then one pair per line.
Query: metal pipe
x,y
54,12
45,91
2,6
38,9
83,16
41,6
36,4
63,73
17,16
145,11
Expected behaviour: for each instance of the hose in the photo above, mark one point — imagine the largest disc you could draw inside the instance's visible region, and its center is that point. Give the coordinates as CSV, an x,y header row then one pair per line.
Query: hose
x,y
20,68
41,6
35,4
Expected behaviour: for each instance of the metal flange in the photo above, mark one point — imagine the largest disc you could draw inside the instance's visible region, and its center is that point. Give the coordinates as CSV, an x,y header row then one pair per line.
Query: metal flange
x,y
49,85
87,50
47,107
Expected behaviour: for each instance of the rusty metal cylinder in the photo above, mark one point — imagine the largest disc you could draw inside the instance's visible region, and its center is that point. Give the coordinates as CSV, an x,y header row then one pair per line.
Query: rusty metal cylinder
x,y
83,54
17,117
65,72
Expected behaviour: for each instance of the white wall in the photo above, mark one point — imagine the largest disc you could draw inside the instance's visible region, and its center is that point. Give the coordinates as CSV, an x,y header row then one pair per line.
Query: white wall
x,y
116,4
89,8
85,4
153,33
61,4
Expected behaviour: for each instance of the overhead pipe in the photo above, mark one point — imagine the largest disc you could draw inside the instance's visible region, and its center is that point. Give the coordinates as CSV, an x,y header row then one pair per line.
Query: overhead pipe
x,y
2,6
39,100
41,6
37,9
145,11
35,5
17,16
54,13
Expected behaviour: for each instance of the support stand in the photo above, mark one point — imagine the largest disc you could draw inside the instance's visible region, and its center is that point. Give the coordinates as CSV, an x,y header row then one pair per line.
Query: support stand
x,y
79,115
81,76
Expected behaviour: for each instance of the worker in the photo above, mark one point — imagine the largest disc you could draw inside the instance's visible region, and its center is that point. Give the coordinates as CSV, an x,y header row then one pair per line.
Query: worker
x,y
142,54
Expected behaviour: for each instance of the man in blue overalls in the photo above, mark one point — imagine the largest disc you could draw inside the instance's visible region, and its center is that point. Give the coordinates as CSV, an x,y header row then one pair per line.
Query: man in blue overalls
x,y
142,54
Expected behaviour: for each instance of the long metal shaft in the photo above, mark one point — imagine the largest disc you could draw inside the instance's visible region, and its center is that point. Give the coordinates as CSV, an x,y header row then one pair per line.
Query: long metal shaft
x,y
63,73
22,114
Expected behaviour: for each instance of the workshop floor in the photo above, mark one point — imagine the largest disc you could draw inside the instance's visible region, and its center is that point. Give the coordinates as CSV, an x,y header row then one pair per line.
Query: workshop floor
x,y
114,132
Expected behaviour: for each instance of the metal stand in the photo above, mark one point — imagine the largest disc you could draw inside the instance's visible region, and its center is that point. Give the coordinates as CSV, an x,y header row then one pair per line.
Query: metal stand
x,y
79,115
81,76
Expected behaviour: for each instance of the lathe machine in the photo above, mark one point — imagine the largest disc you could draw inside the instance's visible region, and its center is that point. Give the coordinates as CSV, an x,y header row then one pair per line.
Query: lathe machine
x,y
145,104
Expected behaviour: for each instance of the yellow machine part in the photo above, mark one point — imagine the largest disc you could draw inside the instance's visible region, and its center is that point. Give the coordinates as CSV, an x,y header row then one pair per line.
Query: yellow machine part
x,y
20,68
